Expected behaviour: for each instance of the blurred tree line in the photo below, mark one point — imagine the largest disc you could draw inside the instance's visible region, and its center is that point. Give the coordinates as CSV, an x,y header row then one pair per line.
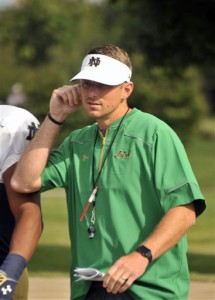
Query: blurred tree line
x,y
171,44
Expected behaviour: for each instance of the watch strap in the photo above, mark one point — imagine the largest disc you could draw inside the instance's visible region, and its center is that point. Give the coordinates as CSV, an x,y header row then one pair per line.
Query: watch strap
x,y
144,251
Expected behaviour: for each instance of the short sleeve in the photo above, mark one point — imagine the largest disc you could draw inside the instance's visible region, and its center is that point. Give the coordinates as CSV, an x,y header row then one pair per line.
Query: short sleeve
x,y
174,178
16,130
56,170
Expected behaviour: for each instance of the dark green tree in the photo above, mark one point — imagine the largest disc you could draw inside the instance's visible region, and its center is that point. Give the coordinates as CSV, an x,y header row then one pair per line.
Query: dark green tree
x,y
42,43
171,44
37,29
173,33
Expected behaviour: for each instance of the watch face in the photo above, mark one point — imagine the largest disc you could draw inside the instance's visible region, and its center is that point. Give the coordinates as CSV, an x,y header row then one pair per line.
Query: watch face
x,y
145,252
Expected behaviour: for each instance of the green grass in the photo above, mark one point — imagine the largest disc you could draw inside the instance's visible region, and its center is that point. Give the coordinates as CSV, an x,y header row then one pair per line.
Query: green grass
x,y
202,157
201,236
52,256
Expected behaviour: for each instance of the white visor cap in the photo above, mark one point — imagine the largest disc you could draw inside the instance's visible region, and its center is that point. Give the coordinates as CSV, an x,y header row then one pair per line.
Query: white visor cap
x,y
103,69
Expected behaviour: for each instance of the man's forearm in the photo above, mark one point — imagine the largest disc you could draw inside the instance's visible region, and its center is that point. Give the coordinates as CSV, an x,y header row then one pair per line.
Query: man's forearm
x,y
171,229
28,230
26,177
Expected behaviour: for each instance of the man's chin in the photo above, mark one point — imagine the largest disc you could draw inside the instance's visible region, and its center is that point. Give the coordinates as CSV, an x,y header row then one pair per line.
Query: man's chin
x,y
93,113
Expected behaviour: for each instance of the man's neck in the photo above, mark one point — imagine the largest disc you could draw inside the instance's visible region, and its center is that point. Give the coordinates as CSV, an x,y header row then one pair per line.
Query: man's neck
x,y
105,123
103,132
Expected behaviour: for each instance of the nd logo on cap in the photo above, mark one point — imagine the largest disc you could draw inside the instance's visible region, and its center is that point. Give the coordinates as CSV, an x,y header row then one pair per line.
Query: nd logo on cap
x,y
94,61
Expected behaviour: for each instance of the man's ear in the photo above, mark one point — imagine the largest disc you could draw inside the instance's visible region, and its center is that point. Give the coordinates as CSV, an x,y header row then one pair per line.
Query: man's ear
x,y
127,89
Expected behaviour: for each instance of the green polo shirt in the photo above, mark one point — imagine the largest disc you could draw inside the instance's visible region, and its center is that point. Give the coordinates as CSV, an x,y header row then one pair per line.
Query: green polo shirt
x,y
145,174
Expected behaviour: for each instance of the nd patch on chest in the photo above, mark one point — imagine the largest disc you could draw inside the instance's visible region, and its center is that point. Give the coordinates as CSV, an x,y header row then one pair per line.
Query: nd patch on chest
x,y
122,154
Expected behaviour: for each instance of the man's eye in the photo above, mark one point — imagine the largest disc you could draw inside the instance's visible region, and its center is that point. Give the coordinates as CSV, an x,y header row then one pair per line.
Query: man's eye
x,y
98,85
85,84
103,86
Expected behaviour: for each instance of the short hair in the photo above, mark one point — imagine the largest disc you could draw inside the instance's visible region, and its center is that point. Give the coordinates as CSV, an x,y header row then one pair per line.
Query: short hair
x,y
114,52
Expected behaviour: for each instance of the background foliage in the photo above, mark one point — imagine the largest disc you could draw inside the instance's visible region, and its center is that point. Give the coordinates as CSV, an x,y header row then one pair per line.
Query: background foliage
x,y
171,33
42,44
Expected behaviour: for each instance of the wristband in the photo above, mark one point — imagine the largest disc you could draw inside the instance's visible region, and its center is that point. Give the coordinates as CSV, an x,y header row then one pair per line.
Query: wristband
x,y
14,265
53,120
10,272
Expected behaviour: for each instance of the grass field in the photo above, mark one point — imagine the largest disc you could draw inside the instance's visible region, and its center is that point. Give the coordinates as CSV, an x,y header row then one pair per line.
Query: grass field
x,y
52,257
201,237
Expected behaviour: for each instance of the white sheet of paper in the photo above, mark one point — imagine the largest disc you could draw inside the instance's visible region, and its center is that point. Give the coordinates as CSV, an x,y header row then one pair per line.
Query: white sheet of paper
x,y
88,274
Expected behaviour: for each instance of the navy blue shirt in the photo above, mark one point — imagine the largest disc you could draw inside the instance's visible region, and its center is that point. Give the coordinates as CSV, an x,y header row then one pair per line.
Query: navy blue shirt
x,y
7,223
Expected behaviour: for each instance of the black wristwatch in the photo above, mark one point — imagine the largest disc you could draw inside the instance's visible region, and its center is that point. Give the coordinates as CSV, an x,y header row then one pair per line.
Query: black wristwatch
x,y
144,251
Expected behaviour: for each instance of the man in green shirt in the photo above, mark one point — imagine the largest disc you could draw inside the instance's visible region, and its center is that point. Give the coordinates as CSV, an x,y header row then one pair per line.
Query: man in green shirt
x,y
130,189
